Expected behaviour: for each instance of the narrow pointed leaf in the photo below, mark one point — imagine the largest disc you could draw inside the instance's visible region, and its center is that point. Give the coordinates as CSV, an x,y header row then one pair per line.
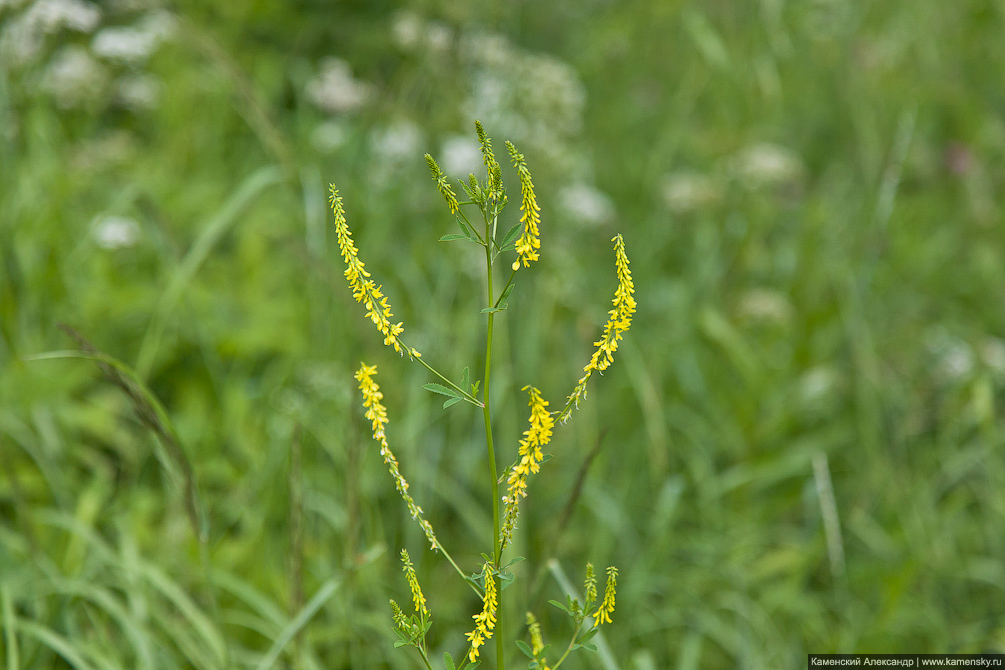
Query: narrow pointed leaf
x,y
441,389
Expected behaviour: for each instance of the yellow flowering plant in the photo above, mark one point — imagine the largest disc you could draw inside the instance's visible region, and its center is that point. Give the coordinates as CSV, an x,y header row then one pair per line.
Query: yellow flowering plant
x,y
488,199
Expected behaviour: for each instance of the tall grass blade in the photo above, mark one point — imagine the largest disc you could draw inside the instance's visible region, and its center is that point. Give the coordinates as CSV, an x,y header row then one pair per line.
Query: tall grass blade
x,y
299,621
214,229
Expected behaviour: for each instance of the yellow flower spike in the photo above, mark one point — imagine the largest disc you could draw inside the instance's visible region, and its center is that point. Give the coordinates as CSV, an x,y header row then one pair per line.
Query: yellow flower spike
x,y
536,642
377,414
485,621
590,587
603,614
399,618
442,185
413,582
530,240
618,322
535,437
365,290
491,164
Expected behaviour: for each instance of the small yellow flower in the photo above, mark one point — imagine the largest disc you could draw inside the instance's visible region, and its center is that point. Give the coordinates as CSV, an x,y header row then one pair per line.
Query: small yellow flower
x,y
618,322
364,289
603,614
530,240
413,582
535,437
377,414
485,621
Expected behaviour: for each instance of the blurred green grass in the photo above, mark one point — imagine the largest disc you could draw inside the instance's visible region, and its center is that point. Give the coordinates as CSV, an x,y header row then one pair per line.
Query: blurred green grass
x,y
808,192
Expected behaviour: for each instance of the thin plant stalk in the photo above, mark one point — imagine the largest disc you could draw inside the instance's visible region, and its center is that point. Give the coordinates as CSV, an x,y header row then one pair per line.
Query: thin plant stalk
x,y
487,414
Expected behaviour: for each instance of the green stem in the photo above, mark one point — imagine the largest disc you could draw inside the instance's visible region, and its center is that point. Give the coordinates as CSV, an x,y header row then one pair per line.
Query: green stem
x,y
467,396
459,571
503,292
575,636
487,414
425,660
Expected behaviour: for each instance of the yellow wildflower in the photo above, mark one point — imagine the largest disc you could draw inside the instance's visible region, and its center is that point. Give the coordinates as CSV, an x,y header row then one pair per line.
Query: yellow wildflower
x,y
399,618
491,164
603,614
590,586
536,642
529,241
377,414
535,437
413,582
443,185
364,289
618,322
485,621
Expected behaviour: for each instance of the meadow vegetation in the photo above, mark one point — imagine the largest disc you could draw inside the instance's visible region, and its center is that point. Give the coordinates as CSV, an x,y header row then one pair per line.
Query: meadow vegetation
x,y
797,450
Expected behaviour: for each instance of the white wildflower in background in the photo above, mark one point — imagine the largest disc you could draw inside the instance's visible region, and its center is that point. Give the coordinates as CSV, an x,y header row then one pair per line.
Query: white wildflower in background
x,y
439,37
412,33
73,78
124,45
161,23
335,90
767,165
396,143
406,29
23,35
328,136
533,99
817,383
764,306
585,204
133,45
138,92
460,156
115,232
686,191
993,355
954,359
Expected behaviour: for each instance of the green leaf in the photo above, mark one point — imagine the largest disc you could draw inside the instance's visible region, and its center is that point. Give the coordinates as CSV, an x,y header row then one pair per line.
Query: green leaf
x,y
560,606
453,236
448,661
441,389
510,240
589,647
589,634
507,291
525,648
452,401
491,310
400,643
465,377
546,458
475,387
516,559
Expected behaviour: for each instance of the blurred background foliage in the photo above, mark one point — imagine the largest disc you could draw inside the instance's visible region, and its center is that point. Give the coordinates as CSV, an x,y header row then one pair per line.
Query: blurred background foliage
x,y
799,448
